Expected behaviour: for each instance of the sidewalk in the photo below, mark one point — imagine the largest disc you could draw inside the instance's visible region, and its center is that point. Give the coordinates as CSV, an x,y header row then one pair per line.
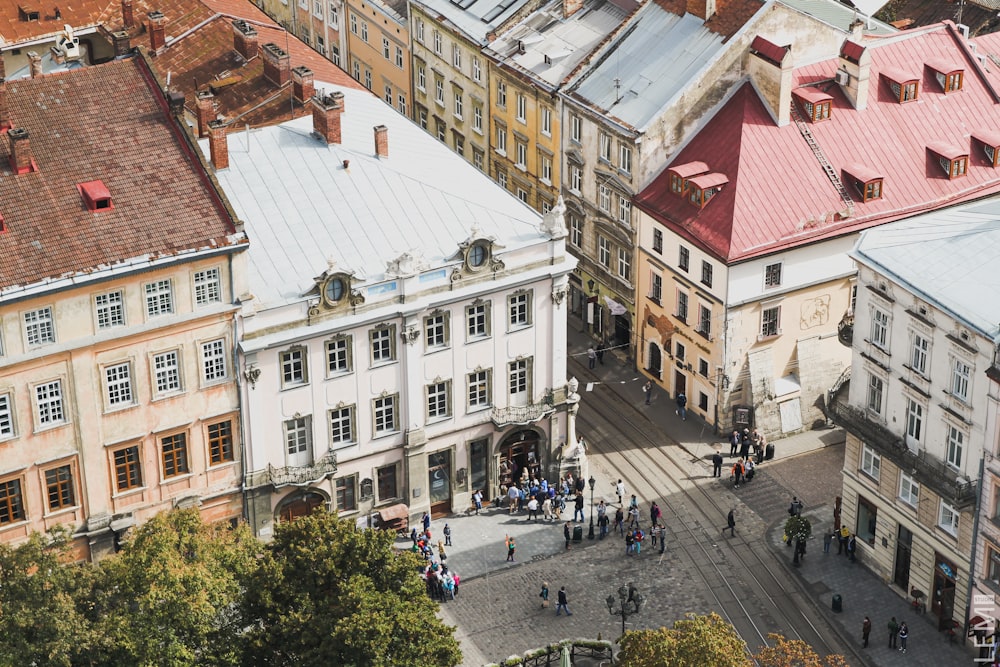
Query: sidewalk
x,y
820,575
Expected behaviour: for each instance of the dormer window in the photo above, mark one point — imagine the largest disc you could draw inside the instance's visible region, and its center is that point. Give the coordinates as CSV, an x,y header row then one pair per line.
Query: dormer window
x,y
702,188
96,196
954,161
990,142
948,76
867,182
680,174
905,88
814,103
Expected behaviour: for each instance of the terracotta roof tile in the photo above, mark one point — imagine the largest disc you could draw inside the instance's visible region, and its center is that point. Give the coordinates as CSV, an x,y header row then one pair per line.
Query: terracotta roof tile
x,y
731,15
80,13
109,123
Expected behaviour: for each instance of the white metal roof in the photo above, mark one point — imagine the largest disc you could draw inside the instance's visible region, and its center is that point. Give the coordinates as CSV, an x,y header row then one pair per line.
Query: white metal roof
x,y
475,18
949,258
303,208
841,16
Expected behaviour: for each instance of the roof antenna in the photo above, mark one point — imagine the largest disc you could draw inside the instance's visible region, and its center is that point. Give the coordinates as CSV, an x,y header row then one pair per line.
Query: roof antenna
x,y
618,90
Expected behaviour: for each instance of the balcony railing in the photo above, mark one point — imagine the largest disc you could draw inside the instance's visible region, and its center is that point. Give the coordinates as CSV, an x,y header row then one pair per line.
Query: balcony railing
x,y
845,329
930,471
303,475
522,415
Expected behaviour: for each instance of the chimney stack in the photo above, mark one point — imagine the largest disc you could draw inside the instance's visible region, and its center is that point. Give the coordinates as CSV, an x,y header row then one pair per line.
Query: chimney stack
x,y
381,141
205,101
326,116
703,9
855,67
302,84
571,7
35,64
157,28
122,43
128,17
770,69
4,110
20,151
245,39
217,146
277,64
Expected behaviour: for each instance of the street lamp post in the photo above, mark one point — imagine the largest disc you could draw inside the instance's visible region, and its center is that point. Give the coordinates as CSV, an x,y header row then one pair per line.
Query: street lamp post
x,y
593,483
629,603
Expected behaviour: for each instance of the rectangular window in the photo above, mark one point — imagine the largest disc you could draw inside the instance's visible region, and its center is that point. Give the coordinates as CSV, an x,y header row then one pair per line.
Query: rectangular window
x,y
399,57
6,417
948,519
706,274
680,351
438,400
419,31
386,478
656,288
128,469
436,330
575,128
342,425
770,322
159,298
518,379
167,372
501,93
683,258
479,389
961,374
522,108
298,438
293,367
110,310
575,178
439,94
388,94
477,119
522,194
876,389
385,415
521,154
459,108
333,18
871,462
546,173
625,158
386,48
576,231
220,443
11,502
357,70
118,384
338,355
604,198
477,70
658,241
364,31
59,488
547,121
918,359
705,321
383,344
625,210
478,320
703,367
682,306
867,520
502,140
994,567
605,147
346,493
914,420
880,327
401,104
173,450
624,264
477,158
772,275
39,327
49,403
956,442
354,24
437,42
604,252
519,309
502,178
207,287
909,490
213,360
421,78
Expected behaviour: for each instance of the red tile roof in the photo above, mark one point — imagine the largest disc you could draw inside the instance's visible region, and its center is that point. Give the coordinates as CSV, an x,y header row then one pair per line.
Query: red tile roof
x,y
79,14
769,50
106,123
779,195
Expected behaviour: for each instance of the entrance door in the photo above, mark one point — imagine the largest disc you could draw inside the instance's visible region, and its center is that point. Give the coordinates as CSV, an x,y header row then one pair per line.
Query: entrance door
x,y
301,506
439,482
791,415
517,454
680,383
623,330
904,545
943,595
654,367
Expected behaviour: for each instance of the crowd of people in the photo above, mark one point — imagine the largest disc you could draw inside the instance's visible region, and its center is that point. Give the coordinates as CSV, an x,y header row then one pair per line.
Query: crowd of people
x,y
442,583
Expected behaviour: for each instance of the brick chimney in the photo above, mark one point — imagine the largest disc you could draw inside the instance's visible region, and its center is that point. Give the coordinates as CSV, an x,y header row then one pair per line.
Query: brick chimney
x,y
245,39
20,151
35,64
381,141
4,109
770,69
302,84
854,73
157,27
217,146
703,9
326,116
277,64
205,101
122,43
128,17
571,7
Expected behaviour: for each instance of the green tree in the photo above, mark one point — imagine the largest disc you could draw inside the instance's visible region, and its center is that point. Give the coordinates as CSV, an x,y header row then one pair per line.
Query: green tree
x,y
172,595
798,528
794,653
327,593
694,641
41,620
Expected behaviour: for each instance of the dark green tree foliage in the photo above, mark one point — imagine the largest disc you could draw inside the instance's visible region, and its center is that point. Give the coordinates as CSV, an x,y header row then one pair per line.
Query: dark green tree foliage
x,y
328,594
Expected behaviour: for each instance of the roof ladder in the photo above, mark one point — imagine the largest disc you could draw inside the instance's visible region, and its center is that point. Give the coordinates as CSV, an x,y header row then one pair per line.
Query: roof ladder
x,y
831,173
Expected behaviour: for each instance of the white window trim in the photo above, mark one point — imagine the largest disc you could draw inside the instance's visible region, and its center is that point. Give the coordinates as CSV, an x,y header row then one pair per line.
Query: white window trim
x,y
913,497
871,462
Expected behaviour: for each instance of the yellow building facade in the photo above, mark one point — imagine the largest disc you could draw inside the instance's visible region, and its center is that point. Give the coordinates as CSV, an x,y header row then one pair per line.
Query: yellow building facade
x,y
378,47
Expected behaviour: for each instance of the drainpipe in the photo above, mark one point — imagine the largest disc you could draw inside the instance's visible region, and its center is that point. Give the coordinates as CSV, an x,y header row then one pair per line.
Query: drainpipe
x,y
972,557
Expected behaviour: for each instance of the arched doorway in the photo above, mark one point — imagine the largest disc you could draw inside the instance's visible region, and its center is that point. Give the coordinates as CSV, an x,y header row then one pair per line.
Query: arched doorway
x,y
655,360
519,452
299,504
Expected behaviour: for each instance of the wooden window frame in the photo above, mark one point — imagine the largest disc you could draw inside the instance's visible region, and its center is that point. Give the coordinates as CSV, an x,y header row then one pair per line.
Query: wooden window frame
x,y
221,444
12,508
127,465
174,455
61,488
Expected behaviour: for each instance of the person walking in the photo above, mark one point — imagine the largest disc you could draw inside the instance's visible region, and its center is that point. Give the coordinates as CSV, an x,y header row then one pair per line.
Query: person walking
x,y
654,514
544,594
629,542
633,516
730,524
734,443
717,464
477,500
737,473
547,508
447,535
866,629
578,507
602,523
827,540
904,632
852,547
532,509
637,538
602,509
601,349
842,540
567,534
511,548
620,491
442,555
426,521
648,388
591,356
893,632
663,538
682,401
562,603
619,521
512,495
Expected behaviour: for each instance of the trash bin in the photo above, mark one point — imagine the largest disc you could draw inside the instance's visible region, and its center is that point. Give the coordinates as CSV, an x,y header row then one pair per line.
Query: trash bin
x,y
838,603
578,534
769,452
